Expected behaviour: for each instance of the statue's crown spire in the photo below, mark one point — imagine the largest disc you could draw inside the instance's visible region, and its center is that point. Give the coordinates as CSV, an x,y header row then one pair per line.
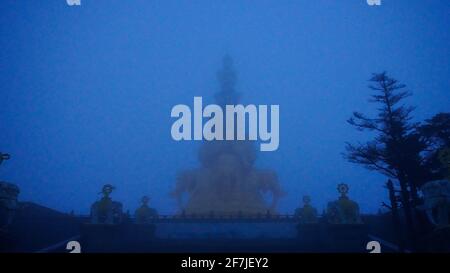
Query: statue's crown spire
x,y
227,80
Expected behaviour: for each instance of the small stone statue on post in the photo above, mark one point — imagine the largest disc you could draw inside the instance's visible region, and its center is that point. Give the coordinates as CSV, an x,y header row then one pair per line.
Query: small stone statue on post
x,y
144,213
343,210
307,214
106,211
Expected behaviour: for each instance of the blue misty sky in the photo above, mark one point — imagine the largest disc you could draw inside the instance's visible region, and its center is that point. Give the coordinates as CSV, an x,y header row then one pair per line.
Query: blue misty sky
x,y
86,92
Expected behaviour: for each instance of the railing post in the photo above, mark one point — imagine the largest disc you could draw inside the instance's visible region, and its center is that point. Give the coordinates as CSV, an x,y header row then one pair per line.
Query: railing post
x,y
395,217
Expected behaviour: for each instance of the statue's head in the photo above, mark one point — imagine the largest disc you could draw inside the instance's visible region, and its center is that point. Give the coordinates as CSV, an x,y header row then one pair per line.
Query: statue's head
x,y
8,190
436,189
107,190
4,157
145,199
343,190
306,200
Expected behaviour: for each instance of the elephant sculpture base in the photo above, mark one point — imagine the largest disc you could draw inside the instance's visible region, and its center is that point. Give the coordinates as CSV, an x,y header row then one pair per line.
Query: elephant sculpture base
x,y
437,202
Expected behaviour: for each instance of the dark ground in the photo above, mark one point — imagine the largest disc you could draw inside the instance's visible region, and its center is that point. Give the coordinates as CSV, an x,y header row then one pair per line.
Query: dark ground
x,y
37,228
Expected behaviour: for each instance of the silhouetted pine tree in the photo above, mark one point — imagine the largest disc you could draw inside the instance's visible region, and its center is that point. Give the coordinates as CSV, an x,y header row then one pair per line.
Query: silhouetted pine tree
x,y
435,132
395,150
